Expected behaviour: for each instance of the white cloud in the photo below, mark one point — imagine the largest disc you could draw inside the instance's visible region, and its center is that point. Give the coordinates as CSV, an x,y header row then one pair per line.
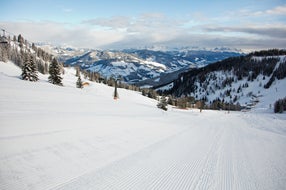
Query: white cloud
x,y
273,30
279,10
113,22
62,33
153,29
67,10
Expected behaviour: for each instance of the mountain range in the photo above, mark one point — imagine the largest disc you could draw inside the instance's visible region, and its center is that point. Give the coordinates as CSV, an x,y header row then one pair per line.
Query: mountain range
x,y
143,67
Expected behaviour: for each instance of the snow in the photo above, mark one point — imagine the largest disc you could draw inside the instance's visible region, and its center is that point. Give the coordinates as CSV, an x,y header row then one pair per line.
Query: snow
x,y
260,58
119,63
152,64
129,69
266,97
275,92
64,138
166,87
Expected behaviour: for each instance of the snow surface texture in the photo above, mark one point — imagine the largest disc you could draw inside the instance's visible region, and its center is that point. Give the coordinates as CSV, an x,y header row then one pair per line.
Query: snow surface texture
x,y
64,138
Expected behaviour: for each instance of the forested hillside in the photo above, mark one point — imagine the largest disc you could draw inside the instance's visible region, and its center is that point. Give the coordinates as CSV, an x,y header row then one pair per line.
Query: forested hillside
x,y
232,80
16,48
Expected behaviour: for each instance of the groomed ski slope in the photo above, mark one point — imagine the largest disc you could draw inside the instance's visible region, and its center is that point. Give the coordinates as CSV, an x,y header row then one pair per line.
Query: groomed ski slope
x,y
63,138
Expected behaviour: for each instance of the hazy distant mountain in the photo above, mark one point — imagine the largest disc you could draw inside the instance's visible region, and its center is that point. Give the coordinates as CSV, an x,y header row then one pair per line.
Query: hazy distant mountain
x,y
141,66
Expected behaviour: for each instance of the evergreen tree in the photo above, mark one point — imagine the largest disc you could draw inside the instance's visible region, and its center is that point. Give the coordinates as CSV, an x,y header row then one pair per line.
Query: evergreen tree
x,y
202,104
280,105
79,82
115,95
77,72
55,73
144,92
162,104
152,94
182,102
20,40
29,69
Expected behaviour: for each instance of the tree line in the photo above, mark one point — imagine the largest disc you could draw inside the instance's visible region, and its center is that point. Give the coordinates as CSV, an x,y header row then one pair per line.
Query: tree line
x,y
30,59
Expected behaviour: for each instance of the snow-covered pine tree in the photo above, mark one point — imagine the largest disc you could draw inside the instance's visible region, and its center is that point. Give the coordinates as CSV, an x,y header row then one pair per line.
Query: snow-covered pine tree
x,y
4,51
79,82
55,73
29,69
162,104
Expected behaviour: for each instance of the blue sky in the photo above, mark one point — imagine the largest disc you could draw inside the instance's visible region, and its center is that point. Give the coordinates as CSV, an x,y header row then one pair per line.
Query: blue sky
x,y
114,24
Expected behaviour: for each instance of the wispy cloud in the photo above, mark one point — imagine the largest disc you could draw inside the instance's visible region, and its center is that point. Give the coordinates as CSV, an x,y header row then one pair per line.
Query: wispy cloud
x,y
141,23
279,10
274,31
113,22
62,33
152,27
67,10
244,12
158,29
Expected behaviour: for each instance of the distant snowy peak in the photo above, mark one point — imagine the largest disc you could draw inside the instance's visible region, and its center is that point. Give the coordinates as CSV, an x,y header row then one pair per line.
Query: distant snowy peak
x,y
62,52
226,49
189,48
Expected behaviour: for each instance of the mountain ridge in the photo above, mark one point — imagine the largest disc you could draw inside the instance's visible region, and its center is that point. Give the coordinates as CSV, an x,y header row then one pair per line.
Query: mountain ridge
x,y
236,80
135,66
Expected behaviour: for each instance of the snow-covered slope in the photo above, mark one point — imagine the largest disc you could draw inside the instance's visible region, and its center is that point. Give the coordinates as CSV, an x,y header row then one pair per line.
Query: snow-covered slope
x,y
66,138
245,80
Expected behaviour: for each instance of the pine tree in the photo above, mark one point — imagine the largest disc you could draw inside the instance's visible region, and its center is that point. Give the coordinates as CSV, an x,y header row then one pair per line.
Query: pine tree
x,y
202,104
79,82
55,73
162,104
280,105
77,72
144,92
29,69
115,95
